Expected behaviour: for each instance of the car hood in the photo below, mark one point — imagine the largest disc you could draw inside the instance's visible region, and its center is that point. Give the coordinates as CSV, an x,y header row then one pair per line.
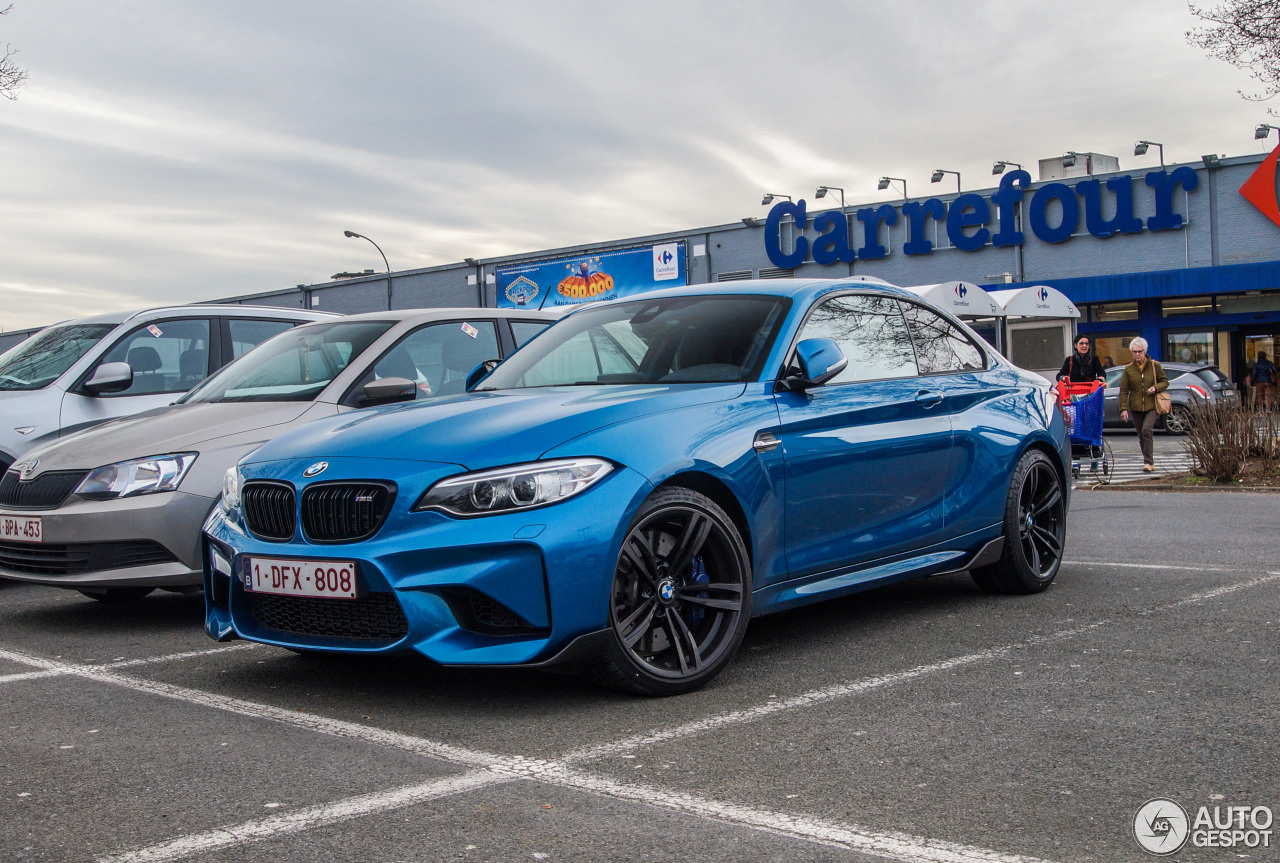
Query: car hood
x,y
174,428
485,429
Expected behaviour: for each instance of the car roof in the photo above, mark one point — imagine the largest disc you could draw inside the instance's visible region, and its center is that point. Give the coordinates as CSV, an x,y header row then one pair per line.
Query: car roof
x,y
798,289
1190,367
201,309
450,313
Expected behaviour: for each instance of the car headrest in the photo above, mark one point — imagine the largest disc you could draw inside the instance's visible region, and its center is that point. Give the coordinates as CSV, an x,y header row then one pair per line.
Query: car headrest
x,y
143,359
193,363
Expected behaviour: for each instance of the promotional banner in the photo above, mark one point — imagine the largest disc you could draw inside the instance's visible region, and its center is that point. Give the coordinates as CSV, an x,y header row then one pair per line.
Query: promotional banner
x,y
606,276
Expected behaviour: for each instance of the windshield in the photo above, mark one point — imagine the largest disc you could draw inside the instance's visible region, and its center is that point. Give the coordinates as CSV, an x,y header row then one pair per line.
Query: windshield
x,y
292,367
680,340
41,359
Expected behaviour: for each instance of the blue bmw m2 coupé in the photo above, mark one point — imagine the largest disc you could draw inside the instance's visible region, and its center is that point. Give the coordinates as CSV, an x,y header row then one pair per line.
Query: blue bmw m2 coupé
x,y
629,488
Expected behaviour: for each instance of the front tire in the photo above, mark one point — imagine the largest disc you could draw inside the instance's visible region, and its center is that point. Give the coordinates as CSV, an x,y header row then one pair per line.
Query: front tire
x,y
1035,530
681,597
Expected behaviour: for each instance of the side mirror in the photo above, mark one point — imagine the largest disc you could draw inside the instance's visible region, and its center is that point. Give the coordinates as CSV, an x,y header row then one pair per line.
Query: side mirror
x,y
820,360
480,372
387,391
110,378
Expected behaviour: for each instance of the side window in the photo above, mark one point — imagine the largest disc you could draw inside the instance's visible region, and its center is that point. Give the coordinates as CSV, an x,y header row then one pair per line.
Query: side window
x,y
525,330
248,333
872,333
1113,376
940,345
166,356
439,357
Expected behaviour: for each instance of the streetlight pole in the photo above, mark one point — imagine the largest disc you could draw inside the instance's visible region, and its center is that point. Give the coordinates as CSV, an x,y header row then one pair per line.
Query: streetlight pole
x,y
885,181
822,193
384,261
938,173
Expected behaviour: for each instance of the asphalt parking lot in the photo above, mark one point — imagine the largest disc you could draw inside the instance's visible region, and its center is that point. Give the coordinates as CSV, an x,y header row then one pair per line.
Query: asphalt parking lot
x,y
923,721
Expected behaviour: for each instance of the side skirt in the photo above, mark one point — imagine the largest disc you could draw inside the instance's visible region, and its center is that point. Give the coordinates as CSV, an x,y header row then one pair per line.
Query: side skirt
x,y
957,555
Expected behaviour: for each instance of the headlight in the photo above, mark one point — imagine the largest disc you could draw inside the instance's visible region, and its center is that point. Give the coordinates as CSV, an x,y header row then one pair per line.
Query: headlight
x,y
509,489
231,489
141,476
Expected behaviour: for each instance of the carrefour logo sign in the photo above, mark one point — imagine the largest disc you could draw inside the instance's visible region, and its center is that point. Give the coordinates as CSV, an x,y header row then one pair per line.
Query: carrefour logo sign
x,y
1260,188
972,221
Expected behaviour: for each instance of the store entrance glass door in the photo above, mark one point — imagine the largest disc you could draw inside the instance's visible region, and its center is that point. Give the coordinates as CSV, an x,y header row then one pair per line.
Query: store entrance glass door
x,y
1250,345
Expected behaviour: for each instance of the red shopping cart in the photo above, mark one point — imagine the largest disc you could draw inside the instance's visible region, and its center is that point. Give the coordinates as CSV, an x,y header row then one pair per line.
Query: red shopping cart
x,y
1082,407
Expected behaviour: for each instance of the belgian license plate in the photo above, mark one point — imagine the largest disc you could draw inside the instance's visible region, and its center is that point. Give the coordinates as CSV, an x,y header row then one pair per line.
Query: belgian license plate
x,y
331,579
21,529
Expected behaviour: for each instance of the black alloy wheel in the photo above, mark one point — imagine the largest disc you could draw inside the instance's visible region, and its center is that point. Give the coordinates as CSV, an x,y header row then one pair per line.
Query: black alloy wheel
x,y
1035,530
681,597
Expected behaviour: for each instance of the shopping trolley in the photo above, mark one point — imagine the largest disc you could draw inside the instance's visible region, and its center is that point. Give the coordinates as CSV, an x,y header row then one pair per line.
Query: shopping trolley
x,y
1082,406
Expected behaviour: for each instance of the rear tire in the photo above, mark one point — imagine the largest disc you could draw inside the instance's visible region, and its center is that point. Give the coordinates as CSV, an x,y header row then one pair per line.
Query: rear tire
x,y
118,594
680,599
1035,530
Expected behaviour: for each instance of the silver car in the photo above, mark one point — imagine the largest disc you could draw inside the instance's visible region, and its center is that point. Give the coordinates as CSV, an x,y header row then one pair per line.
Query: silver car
x,y
1188,383
76,374
116,512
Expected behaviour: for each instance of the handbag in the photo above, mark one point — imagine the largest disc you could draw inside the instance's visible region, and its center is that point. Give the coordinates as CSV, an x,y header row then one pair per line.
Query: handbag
x,y
1164,401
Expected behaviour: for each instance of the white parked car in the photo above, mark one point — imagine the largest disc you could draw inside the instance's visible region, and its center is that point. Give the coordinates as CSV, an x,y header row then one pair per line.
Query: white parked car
x,y
115,512
76,374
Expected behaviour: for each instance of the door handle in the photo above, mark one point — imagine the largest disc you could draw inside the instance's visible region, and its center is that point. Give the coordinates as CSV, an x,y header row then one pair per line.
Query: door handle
x,y
928,398
765,442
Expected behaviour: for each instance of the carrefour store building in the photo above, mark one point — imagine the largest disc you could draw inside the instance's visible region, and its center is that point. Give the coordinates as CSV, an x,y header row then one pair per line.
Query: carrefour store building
x,y
1187,256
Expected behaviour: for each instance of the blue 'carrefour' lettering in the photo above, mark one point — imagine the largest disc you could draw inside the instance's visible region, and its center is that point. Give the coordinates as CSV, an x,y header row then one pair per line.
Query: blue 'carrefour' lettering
x,y
834,243
773,234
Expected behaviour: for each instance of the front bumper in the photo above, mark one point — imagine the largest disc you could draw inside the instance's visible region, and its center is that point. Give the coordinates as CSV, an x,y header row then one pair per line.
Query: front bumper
x,y
100,543
506,589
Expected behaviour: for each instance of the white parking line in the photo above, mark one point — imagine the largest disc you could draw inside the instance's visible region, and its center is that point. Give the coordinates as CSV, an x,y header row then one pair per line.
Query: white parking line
x,y
844,690
891,845
57,669
496,769
1205,568
305,819
807,699
887,844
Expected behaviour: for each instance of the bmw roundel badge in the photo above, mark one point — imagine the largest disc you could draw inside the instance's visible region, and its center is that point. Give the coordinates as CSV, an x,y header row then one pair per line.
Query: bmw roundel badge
x,y
316,469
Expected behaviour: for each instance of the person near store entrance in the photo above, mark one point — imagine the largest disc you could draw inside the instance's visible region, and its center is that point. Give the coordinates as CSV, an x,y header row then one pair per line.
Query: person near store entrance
x,y
1142,379
1262,377
1082,366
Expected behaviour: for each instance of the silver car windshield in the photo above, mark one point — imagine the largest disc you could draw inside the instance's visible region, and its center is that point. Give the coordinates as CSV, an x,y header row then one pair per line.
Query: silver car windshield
x,y
292,367
682,340
41,359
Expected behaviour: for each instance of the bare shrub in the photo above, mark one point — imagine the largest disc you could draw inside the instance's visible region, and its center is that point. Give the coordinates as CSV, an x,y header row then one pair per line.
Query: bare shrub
x,y
1227,440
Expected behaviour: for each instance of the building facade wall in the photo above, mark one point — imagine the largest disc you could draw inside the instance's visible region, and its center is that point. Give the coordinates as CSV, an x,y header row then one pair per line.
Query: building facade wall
x,y
1226,250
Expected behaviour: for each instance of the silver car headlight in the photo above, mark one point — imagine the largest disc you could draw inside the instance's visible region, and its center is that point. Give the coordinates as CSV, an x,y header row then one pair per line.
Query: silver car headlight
x,y
509,489
148,475
230,489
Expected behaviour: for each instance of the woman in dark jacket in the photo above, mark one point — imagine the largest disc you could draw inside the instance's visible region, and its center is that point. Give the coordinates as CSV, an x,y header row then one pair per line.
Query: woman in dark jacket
x,y
1082,366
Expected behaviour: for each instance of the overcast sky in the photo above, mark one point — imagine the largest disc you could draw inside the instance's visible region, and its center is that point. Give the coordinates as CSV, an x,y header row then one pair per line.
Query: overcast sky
x,y
169,151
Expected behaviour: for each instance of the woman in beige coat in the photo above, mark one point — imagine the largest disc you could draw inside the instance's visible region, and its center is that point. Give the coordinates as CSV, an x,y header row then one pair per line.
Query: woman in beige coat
x,y
1142,379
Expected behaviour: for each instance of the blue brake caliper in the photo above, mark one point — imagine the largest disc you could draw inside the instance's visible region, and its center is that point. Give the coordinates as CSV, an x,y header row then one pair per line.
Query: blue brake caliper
x,y
697,612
